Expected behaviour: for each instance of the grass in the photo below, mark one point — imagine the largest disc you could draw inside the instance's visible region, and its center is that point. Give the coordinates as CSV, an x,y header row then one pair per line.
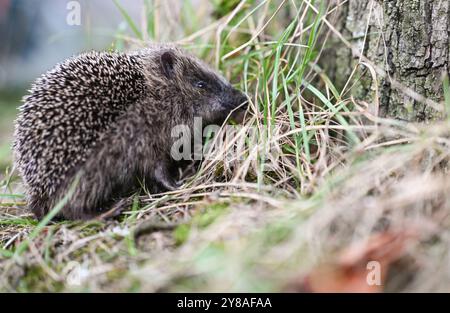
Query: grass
x,y
248,222
8,103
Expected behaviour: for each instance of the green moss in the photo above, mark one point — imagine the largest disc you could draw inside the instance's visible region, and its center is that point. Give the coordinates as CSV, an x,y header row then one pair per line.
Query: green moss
x,y
36,279
181,234
202,219
210,214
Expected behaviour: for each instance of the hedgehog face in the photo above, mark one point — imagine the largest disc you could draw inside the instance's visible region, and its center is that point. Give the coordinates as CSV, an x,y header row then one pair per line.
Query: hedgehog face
x,y
208,94
216,100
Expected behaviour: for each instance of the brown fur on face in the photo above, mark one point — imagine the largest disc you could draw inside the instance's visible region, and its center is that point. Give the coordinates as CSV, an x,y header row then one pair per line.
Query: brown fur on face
x,y
109,117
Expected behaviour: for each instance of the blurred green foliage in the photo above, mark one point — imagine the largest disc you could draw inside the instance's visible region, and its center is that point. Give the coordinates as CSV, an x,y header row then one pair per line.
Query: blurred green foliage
x,y
9,101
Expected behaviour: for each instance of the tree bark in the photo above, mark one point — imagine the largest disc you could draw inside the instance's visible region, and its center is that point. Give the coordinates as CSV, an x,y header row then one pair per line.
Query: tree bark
x,y
409,40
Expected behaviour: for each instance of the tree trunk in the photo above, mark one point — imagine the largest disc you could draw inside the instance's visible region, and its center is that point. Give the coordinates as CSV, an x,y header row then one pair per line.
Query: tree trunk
x,y
409,41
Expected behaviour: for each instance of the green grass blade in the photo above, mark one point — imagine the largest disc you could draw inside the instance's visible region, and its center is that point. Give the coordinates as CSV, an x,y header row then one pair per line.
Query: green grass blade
x,y
128,19
334,110
290,110
11,196
46,220
446,86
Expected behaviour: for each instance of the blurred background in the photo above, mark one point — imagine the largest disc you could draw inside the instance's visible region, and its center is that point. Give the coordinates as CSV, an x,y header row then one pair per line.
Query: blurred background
x,y
35,35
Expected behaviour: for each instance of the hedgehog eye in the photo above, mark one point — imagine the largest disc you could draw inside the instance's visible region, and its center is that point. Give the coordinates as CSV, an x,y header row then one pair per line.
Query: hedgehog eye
x,y
200,84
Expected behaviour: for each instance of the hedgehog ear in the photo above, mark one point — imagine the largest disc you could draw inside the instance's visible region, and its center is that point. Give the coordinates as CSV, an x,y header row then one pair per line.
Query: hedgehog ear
x,y
168,63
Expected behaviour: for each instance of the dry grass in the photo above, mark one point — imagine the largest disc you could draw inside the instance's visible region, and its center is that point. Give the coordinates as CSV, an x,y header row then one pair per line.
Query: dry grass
x,y
339,175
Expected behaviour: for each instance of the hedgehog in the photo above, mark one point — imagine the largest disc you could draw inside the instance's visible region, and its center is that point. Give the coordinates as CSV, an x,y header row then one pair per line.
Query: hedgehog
x,y
105,118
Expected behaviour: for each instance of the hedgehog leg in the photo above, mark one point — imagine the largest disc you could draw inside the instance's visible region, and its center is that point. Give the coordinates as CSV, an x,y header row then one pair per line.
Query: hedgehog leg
x,y
115,210
93,193
39,206
163,177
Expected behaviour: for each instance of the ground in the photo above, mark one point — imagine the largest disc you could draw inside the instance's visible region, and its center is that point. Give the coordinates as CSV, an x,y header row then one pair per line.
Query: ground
x,y
345,201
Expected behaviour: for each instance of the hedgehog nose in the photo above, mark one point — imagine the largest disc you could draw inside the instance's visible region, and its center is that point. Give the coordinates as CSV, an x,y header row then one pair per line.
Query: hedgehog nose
x,y
242,101
245,101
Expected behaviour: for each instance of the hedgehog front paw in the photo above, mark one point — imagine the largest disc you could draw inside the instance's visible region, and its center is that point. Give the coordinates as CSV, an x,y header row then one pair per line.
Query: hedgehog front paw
x,y
169,184
164,179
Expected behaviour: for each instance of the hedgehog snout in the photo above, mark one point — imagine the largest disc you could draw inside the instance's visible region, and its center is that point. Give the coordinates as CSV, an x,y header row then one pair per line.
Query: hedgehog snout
x,y
239,103
242,101
235,98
